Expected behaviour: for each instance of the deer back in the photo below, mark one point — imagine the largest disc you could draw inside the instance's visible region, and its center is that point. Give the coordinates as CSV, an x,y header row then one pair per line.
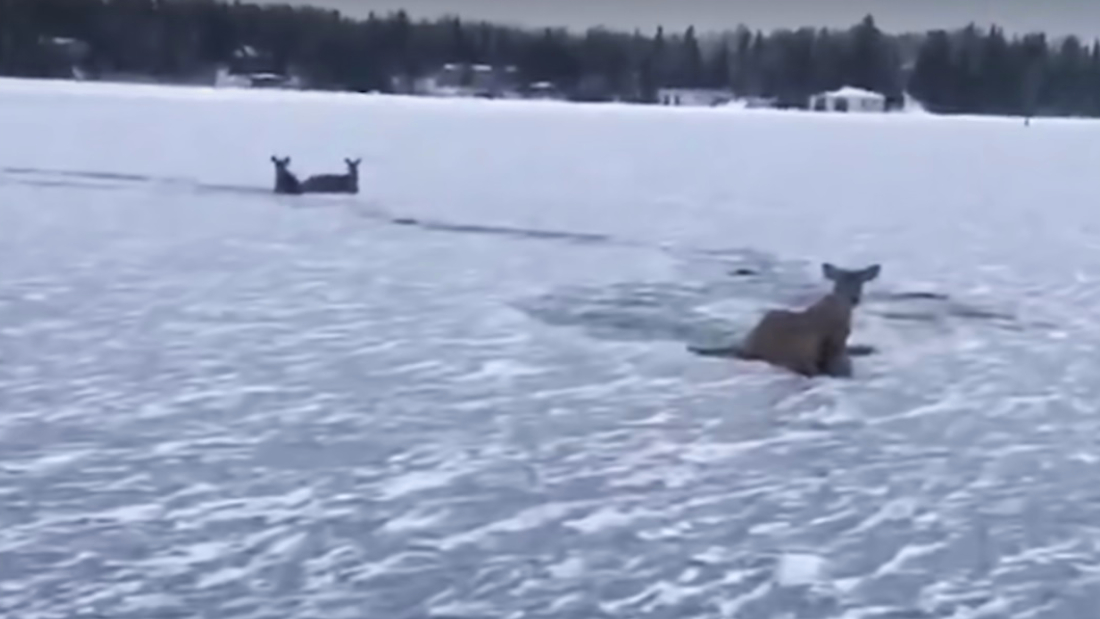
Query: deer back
x,y
335,183
784,338
805,341
326,183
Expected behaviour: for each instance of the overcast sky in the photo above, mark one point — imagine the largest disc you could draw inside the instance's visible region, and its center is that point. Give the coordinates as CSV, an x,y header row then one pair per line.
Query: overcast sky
x,y
1056,17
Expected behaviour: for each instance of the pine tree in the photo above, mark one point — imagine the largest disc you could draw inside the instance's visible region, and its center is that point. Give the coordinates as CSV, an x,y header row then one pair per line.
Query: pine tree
x,y
691,72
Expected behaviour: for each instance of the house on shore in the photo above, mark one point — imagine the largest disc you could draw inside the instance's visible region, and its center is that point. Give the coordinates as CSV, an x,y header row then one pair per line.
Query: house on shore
x,y
252,68
695,97
848,99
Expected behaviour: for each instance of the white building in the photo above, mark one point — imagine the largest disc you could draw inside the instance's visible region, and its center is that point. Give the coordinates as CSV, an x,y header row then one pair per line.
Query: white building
x,y
469,80
848,99
705,97
544,90
757,103
223,78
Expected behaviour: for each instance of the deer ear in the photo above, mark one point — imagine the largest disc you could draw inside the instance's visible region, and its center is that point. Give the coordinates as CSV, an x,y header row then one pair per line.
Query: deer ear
x,y
829,271
871,272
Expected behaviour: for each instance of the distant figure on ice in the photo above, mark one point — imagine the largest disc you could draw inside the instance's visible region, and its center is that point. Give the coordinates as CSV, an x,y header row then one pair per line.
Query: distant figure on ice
x,y
813,341
335,183
285,180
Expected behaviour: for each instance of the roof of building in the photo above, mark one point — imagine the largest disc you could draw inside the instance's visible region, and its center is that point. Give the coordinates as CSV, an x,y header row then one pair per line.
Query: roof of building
x,y
855,93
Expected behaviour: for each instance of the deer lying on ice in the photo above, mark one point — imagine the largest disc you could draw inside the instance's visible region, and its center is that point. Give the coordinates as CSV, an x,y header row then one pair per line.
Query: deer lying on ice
x,y
813,341
335,183
285,180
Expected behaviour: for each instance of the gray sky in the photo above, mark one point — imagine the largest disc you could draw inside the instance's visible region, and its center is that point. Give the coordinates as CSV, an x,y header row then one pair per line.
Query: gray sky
x,y
1055,17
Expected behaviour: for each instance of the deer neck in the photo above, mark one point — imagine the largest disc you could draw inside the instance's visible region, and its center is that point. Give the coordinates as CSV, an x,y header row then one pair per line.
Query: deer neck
x,y
831,308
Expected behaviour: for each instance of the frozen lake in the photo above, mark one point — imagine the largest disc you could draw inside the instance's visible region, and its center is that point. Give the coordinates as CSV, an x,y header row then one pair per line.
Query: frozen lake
x,y
464,393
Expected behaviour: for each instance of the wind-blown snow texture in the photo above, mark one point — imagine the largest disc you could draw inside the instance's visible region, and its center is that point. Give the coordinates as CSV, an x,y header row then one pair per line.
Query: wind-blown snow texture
x,y
465,392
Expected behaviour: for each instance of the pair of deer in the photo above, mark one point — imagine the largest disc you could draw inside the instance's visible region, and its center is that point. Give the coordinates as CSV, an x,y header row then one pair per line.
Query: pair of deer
x,y
287,182
813,341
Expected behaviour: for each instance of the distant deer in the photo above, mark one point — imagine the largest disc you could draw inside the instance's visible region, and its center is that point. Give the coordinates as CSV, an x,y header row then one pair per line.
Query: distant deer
x,y
813,341
335,183
285,180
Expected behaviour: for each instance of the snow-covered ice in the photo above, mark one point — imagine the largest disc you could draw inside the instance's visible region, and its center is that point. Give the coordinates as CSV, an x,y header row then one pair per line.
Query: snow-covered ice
x,y
465,391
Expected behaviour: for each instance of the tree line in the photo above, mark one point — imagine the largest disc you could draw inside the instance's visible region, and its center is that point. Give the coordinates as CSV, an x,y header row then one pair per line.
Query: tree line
x,y
968,70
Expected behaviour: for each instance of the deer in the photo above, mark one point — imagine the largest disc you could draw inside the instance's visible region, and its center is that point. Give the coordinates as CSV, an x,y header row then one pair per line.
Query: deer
x,y
813,341
285,180
335,183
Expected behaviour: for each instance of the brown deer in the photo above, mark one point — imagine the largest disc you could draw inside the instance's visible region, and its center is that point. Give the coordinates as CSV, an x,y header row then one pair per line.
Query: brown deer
x,y
335,183
285,180
813,341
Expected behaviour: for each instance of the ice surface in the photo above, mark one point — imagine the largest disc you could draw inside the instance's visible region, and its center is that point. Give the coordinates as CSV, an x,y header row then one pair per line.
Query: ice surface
x,y
465,392
796,569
